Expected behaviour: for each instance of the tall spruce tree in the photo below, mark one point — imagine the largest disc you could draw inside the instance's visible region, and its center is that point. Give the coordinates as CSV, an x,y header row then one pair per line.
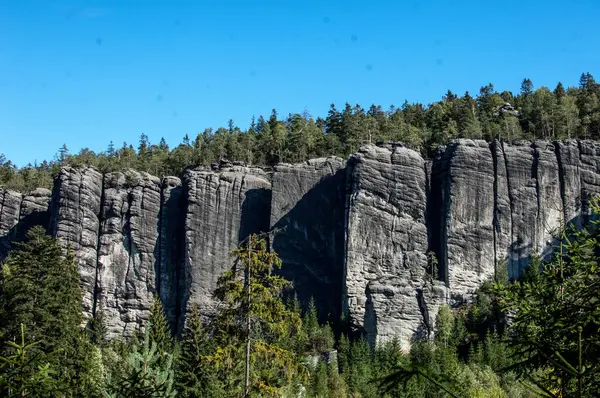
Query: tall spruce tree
x,y
253,322
40,289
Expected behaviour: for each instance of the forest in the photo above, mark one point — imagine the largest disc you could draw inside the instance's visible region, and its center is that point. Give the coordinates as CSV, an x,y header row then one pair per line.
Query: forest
x,y
533,113
535,337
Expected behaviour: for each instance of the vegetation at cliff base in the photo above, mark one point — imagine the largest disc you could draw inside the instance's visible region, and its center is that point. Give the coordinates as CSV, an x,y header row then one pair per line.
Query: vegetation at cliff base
x,y
536,337
533,113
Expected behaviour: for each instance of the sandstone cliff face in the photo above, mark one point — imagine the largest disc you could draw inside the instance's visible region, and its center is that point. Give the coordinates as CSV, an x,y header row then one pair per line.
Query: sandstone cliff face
x,y
223,208
10,204
74,220
128,251
468,255
359,235
34,210
171,247
387,242
307,211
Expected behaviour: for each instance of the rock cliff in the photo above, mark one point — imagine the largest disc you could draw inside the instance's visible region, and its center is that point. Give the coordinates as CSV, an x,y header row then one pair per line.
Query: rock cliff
x,y
383,238
222,208
307,215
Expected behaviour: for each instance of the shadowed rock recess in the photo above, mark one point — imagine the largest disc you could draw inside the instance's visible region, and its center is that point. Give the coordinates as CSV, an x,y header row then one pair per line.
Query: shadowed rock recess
x,y
358,235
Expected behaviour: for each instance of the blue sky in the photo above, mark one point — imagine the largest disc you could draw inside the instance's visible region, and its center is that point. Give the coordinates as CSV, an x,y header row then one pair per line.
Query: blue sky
x,y
88,72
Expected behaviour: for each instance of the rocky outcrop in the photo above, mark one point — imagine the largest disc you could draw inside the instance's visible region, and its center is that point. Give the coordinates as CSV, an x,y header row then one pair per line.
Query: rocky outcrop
x,y
171,247
34,210
307,215
75,208
386,264
10,205
468,258
384,238
223,208
128,251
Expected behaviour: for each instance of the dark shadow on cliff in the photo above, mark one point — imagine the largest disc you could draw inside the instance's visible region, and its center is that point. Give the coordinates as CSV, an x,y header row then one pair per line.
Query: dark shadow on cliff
x,y
255,214
18,233
311,244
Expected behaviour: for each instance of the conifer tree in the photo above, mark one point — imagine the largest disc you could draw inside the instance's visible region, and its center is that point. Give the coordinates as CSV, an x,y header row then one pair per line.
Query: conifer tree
x,y
158,326
193,373
253,320
40,289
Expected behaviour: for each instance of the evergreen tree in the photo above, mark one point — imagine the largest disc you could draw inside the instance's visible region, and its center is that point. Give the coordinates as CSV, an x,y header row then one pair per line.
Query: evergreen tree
x,y
144,374
158,326
40,290
193,373
254,319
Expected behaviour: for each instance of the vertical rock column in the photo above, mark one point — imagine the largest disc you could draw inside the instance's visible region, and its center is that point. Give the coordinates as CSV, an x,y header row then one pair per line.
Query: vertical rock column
x,y
567,153
589,155
521,169
223,207
470,216
550,198
171,246
386,288
10,204
75,209
307,206
128,251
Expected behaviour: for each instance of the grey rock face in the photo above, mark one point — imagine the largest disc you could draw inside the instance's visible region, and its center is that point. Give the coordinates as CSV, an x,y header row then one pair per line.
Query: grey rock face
x,y
75,207
569,167
128,250
171,246
387,243
589,155
470,216
502,207
307,208
223,208
10,204
34,210
550,199
523,196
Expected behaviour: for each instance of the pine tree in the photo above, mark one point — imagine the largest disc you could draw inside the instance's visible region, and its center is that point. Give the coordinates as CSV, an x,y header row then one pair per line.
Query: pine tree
x,y
144,374
158,326
24,370
319,388
193,374
40,289
253,321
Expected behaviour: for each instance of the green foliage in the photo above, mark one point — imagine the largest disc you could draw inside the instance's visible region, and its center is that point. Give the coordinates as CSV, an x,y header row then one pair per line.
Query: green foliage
x,y
143,374
255,321
556,325
24,371
534,113
40,290
158,326
193,373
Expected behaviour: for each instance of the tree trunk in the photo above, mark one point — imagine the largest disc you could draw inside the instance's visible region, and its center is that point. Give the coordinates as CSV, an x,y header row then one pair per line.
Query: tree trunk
x,y
248,320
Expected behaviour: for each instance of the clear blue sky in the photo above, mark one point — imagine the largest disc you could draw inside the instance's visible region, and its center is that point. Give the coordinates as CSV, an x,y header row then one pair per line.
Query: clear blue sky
x,y
88,72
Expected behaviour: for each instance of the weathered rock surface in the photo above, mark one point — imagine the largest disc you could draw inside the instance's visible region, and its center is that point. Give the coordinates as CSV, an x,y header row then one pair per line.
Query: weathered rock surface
x,y
357,236
34,210
10,205
223,208
567,153
470,216
387,243
307,210
74,220
128,250
589,155
171,246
